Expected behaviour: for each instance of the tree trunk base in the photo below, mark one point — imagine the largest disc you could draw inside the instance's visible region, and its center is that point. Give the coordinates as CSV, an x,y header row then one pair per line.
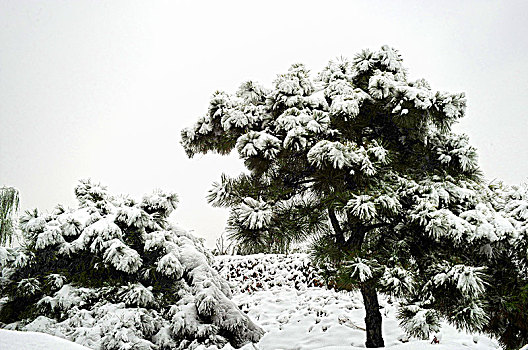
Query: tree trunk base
x,y
372,317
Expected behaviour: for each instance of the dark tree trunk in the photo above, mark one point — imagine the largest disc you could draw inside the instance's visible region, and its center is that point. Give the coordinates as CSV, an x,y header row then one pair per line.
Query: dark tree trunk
x,y
372,317
338,232
370,297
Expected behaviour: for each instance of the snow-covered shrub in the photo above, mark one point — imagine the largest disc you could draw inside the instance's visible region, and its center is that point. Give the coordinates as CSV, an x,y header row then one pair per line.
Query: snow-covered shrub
x,y
250,273
507,291
115,274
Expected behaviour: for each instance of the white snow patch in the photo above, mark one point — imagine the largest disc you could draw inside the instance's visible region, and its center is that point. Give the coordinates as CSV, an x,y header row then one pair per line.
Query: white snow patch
x,y
13,340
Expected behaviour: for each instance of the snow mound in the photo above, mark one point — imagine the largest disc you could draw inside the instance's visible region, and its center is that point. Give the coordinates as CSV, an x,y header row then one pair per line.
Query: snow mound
x,y
13,340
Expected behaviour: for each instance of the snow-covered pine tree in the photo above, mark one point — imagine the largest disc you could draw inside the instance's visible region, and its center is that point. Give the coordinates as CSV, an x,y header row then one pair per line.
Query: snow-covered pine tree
x,y
373,154
507,293
115,274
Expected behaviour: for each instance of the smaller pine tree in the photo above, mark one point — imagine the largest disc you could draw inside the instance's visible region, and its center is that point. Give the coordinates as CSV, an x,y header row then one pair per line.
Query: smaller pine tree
x,y
507,293
9,201
115,274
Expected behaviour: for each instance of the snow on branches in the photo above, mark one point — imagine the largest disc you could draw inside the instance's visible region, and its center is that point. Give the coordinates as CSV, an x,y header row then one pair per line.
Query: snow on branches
x,y
347,156
254,214
419,322
254,143
360,269
467,279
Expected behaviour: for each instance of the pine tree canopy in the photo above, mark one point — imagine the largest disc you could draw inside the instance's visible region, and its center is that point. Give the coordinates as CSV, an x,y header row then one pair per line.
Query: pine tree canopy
x,y
364,162
114,274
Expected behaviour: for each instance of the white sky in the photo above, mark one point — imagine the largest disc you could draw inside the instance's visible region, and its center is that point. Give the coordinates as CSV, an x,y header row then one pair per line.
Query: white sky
x,y
101,89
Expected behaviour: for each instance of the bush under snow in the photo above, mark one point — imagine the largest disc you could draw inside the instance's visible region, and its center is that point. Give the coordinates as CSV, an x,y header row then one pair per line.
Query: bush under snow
x,y
249,273
114,274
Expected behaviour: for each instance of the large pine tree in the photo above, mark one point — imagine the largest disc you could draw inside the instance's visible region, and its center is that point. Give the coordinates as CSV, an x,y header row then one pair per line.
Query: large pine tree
x,y
372,154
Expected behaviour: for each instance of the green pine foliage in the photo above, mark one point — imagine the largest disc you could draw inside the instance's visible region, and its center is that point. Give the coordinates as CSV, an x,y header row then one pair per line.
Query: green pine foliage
x,y
366,164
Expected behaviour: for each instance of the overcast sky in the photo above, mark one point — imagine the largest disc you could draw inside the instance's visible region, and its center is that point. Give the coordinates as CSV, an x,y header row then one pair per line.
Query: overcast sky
x,y
102,89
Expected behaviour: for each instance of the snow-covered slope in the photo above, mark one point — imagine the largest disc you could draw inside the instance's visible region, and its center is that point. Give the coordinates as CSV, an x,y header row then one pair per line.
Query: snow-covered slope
x,y
318,318
248,273
277,292
13,340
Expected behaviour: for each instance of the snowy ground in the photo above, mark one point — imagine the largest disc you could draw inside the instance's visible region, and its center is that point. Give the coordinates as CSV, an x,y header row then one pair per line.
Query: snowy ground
x,y
13,340
297,316
314,318
318,318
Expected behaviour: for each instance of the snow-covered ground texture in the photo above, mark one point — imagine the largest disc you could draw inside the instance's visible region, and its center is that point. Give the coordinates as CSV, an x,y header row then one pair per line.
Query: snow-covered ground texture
x,y
278,293
318,318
